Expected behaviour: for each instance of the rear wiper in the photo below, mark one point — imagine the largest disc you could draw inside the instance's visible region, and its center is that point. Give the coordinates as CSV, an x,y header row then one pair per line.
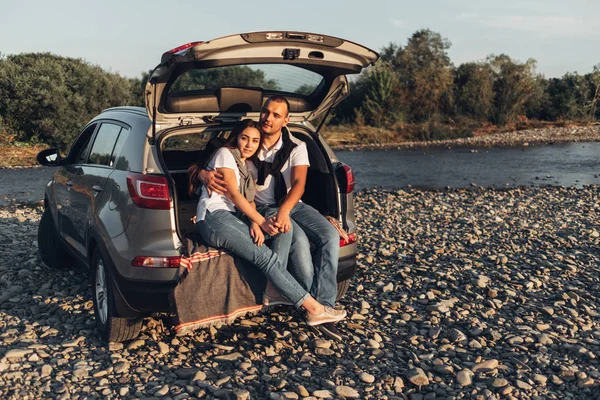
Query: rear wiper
x,y
217,118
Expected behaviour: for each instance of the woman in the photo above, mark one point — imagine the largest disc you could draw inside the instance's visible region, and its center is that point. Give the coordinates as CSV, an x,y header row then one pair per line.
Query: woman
x,y
218,219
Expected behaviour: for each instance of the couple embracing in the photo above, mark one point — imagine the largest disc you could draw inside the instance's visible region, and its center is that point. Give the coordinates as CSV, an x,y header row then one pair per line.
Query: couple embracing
x,y
252,186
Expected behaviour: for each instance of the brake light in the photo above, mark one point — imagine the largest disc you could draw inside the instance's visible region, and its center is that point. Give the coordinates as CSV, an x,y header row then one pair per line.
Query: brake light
x,y
156,262
183,47
351,239
149,191
345,178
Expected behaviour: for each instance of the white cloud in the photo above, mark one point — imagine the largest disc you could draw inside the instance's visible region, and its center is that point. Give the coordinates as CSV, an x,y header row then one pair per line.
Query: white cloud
x,y
398,23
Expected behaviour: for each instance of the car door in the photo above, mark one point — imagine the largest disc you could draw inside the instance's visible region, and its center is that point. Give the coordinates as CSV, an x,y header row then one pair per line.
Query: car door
x,y
63,182
85,181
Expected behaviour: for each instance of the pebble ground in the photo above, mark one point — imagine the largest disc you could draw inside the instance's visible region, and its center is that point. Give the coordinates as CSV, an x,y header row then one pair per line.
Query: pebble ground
x,y
459,294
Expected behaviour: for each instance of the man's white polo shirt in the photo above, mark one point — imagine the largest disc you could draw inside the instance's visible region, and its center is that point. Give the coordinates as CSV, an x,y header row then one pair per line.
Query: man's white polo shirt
x,y
265,194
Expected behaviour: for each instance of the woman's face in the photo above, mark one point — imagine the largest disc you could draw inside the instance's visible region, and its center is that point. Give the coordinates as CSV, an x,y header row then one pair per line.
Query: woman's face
x,y
248,142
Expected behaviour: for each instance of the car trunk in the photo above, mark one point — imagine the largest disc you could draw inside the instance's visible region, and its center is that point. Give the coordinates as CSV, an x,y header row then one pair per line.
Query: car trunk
x,y
181,147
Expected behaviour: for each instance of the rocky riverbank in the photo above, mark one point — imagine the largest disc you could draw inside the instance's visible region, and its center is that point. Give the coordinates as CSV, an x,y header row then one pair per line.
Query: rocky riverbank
x,y
548,135
481,293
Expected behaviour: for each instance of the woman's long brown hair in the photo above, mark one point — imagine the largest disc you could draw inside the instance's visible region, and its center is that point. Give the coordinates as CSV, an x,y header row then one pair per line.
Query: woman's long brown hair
x,y
195,168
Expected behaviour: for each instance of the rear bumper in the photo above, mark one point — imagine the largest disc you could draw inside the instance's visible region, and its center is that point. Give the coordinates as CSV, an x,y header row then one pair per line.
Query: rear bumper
x,y
346,268
134,298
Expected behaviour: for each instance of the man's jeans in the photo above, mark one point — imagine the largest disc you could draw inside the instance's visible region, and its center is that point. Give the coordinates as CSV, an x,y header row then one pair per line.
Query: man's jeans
x,y
316,273
223,229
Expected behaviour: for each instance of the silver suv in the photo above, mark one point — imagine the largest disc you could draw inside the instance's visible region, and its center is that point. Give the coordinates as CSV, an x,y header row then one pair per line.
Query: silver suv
x,y
118,202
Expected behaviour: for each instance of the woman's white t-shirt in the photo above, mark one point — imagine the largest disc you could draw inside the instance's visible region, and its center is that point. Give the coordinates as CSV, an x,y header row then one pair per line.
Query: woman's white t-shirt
x,y
221,159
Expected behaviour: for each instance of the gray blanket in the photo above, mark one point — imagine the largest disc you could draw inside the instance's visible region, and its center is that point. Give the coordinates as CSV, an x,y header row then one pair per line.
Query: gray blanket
x,y
214,288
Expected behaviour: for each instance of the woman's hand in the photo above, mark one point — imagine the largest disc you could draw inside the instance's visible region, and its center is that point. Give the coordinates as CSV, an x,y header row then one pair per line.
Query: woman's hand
x,y
213,181
283,220
257,234
269,226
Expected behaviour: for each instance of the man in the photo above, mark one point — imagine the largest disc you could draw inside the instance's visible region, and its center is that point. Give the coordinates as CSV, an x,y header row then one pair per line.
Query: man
x,y
281,178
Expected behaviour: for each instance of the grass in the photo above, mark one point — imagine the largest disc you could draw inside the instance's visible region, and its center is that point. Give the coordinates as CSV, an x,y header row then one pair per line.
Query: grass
x,y
19,155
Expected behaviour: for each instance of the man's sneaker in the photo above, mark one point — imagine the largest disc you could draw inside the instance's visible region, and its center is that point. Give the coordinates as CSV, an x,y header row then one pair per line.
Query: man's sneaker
x,y
272,297
329,329
329,314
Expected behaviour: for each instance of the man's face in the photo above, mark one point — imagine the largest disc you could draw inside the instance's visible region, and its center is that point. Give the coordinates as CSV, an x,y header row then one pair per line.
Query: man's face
x,y
273,117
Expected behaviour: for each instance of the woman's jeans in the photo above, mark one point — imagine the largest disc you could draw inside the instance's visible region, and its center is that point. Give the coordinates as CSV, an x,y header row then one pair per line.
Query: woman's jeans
x,y
317,272
223,229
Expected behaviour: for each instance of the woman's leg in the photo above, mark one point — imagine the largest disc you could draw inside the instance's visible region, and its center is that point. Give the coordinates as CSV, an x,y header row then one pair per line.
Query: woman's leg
x,y
224,230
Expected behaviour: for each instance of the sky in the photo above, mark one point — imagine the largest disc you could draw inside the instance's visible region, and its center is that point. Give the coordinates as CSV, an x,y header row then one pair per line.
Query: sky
x,y
129,36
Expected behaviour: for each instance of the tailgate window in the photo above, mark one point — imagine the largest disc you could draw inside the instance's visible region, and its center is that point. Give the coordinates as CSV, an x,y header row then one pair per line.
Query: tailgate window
x,y
267,77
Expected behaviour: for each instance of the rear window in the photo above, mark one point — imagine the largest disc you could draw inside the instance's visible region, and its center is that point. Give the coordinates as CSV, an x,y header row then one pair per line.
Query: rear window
x,y
271,77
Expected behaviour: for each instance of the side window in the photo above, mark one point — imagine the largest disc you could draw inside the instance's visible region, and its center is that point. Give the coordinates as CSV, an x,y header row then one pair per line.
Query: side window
x,y
117,159
104,144
79,150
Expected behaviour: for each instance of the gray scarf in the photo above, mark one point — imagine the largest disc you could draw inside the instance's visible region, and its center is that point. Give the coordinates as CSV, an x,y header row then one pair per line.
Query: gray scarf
x,y
246,188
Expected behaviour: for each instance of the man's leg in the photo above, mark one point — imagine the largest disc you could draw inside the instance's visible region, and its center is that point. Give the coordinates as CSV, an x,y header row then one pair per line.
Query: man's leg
x,y
301,263
326,239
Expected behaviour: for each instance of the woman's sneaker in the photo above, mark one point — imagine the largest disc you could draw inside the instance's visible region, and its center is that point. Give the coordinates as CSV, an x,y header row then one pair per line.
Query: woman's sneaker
x,y
329,314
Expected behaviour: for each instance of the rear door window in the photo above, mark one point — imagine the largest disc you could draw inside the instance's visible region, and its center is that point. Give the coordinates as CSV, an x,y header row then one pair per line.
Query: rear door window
x,y
104,144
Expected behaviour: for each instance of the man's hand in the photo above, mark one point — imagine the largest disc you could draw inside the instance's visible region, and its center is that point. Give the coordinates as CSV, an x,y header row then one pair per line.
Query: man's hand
x,y
213,181
257,234
283,220
269,227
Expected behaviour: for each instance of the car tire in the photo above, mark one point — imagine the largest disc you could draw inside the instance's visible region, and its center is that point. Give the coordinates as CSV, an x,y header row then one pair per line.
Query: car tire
x,y
342,289
112,328
52,251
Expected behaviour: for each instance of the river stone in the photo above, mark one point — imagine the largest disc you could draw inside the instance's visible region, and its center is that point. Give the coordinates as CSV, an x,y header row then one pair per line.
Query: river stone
x,y
465,377
417,377
301,390
365,377
17,353
486,365
228,357
522,385
322,394
346,392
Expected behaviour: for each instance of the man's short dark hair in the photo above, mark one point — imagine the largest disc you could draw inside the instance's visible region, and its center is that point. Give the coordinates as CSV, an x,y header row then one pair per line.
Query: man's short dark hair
x,y
280,99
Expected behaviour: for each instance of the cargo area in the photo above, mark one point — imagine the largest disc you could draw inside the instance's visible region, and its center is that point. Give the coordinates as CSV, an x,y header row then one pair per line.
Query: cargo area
x,y
180,150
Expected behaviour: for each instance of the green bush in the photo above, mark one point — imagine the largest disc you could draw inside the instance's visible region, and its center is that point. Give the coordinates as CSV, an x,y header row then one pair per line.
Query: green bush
x,y
47,98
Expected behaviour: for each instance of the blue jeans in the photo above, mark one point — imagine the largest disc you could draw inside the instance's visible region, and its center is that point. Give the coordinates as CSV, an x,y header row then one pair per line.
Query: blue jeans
x,y
223,229
317,272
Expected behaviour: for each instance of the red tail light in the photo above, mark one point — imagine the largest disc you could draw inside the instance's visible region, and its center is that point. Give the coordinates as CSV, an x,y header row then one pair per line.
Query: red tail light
x,y
345,178
183,47
351,239
149,191
156,262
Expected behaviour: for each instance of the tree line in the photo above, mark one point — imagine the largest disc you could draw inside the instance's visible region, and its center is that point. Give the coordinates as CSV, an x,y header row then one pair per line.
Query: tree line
x,y
45,98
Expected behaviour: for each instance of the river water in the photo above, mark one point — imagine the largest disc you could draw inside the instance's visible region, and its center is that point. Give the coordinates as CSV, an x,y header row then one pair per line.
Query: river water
x,y
571,164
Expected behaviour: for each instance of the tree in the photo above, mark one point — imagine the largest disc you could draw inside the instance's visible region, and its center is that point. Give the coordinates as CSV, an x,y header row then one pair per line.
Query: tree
x,y
514,84
425,75
473,91
48,98
380,101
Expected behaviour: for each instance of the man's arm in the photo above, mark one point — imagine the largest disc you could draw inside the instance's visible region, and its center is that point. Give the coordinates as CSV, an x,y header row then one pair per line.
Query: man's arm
x,y
298,182
213,181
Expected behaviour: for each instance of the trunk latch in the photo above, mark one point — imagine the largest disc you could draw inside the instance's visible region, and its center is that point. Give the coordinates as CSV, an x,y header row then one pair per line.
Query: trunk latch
x,y
291,54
